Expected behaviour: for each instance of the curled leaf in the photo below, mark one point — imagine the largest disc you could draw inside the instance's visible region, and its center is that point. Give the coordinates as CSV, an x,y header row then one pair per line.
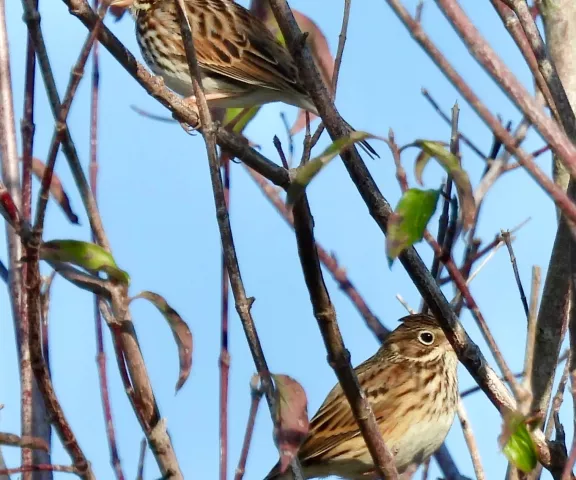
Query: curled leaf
x,y
516,442
180,330
56,189
236,119
450,163
89,256
408,222
290,418
306,173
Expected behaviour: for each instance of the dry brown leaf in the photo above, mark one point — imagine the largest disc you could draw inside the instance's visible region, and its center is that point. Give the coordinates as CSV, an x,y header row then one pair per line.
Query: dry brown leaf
x,y
290,418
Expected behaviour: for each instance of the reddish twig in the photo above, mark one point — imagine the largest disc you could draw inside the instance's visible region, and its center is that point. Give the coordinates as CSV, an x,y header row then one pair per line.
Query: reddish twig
x,y
224,360
515,91
256,395
329,261
508,242
11,177
141,458
75,77
39,468
243,303
561,144
461,136
470,441
460,283
100,353
338,356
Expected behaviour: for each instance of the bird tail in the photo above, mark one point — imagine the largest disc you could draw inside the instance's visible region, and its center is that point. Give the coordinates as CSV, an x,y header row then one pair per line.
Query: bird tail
x,y
364,145
305,103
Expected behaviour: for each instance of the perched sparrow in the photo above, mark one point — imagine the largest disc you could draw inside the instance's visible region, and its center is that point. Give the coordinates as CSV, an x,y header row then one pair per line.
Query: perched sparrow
x,y
411,384
242,64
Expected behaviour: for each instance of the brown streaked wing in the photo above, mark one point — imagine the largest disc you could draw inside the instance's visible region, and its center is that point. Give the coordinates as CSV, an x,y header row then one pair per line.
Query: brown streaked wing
x,y
242,48
334,423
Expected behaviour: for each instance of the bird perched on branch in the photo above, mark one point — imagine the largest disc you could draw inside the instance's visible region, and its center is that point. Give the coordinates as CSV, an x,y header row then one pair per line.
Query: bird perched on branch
x,y
412,387
241,62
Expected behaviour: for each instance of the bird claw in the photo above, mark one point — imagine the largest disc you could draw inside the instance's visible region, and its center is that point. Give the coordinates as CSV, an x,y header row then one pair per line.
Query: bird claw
x,y
190,129
190,102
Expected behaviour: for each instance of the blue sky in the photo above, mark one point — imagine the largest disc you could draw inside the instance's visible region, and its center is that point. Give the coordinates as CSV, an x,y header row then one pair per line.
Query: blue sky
x,y
157,207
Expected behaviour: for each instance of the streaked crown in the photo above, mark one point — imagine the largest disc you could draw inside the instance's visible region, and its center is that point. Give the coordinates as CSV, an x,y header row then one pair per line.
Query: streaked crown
x,y
420,338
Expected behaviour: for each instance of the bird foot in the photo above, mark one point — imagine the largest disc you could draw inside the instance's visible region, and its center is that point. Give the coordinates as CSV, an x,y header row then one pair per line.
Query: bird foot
x,y
190,102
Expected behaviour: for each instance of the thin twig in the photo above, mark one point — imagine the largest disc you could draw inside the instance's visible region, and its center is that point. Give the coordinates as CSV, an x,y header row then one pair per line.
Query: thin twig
x,y
567,473
461,136
341,45
506,237
443,237
476,388
470,441
32,18
58,135
379,208
561,144
338,355
98,323
531,336
256,395
558,398
460,283
330,261
487,57
224,360
243,303
39,468
141,458
17,287
32,410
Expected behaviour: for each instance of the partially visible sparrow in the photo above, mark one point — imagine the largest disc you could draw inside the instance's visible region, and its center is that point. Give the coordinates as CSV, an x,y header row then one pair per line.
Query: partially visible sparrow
x,y
412,386
241,62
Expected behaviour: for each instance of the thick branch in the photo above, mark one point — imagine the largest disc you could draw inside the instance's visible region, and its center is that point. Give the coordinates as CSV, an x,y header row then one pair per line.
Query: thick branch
x,y
338,355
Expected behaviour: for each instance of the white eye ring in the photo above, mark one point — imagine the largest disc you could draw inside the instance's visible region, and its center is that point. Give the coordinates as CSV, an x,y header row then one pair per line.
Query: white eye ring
x,y
426,337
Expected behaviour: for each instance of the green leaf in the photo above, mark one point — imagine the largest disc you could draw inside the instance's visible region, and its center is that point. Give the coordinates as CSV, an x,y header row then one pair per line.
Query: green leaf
x,y
89,256
517,444
451,164
306,173
238,118
180,330
409,220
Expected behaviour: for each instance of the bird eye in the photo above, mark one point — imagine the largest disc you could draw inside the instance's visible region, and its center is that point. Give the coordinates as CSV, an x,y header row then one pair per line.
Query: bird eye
x,y
426,337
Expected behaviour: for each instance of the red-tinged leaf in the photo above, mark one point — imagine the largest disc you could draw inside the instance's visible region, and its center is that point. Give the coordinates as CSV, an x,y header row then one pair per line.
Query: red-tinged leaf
x,y
119,8
180,330
117,12
8,208
290,418
56,189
